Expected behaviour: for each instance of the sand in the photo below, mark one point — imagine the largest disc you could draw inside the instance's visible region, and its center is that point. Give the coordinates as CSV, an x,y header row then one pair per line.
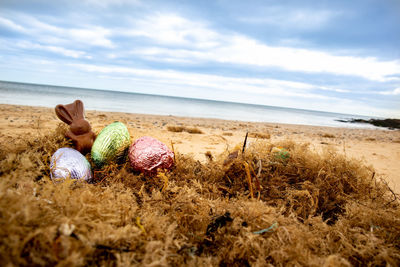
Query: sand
x,y
379,149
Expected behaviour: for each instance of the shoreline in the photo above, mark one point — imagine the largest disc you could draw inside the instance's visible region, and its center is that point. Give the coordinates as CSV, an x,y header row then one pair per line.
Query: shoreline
x,y
104,100
379,148
349,122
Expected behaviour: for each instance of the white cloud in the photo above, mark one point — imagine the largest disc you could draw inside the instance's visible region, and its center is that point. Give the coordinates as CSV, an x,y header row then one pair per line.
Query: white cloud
x,y
6,23
247,51
36,26
294,19
87,35
195,42
172,29
54,49
395,91
206,81
333,89
96,36
107,3
171,55
181,40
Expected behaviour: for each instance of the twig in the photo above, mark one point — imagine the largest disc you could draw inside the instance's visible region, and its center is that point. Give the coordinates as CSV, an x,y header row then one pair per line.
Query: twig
x,y
163,177
173,150
246,167
244,143
252,170
372,178
141,190
390,189
104,247
102,180
140,225
259,163
258,185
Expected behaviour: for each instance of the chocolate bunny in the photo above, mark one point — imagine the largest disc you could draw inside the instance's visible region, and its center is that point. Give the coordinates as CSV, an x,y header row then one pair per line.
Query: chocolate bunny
x,y
80,130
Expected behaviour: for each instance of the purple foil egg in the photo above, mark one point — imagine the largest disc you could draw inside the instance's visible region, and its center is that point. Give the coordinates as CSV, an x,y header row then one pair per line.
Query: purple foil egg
x,y
69,163
148,155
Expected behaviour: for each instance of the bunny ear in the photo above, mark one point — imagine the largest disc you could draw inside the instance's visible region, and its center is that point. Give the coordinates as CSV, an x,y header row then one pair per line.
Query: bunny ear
x,y
63,114
79,109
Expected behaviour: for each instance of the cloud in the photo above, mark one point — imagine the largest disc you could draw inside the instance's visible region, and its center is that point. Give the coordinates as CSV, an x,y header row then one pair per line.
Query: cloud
x,y
332,89
175,39
207,81
195,42
247,51
87,35
302,18
96,36
171,29
8,24
392,92
108,3
53,49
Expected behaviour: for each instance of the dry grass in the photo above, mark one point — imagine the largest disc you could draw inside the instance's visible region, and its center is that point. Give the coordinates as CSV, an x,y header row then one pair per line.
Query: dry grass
x,y
260,135
194,130
326,135
316,209
176,129
179,129
227,134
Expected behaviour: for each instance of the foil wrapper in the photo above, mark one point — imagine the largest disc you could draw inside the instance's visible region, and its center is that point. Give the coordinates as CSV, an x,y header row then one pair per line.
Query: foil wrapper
x,y
111,144
148,155
69,163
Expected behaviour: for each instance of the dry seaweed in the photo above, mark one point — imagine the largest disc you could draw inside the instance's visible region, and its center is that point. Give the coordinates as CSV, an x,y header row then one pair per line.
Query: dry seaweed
x,y
179,129
260,135
218,222
327,210
327,135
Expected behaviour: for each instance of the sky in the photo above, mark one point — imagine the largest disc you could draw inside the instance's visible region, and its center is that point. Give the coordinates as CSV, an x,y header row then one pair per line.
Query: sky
x,y
337,56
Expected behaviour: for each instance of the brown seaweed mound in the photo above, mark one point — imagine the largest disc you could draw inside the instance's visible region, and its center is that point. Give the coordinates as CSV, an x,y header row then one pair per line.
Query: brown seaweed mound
x,y
253,209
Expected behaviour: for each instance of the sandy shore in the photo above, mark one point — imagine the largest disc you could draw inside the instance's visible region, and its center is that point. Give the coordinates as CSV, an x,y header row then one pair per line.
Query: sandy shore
x,y
377,148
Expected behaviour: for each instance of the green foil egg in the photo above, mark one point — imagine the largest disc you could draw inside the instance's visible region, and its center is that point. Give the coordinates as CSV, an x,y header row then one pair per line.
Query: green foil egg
x,y
111,144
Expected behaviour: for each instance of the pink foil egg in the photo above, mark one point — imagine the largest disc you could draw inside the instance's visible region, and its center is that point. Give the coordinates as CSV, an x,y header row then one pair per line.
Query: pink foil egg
x,y
148,155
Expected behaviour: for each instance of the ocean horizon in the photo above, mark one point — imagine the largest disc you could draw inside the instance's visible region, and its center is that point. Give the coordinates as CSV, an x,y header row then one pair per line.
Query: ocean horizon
x,y
106,100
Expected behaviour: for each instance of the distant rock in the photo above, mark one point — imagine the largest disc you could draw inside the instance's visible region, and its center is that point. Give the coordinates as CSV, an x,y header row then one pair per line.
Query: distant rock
x,y
391,124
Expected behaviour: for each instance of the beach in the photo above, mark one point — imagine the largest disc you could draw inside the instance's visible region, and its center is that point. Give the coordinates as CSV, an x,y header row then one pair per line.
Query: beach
x,y
328,198
378,149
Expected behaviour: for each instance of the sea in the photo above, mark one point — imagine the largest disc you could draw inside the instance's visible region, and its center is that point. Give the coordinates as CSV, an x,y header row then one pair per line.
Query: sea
x,y
107,100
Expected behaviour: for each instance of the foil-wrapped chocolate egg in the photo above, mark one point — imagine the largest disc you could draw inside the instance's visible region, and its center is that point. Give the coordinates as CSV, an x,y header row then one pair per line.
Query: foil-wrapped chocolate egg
x,y
111,144
148,154
69,163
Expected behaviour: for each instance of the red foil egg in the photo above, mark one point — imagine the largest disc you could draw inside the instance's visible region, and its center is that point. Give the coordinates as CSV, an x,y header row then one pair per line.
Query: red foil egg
x,y
148,155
